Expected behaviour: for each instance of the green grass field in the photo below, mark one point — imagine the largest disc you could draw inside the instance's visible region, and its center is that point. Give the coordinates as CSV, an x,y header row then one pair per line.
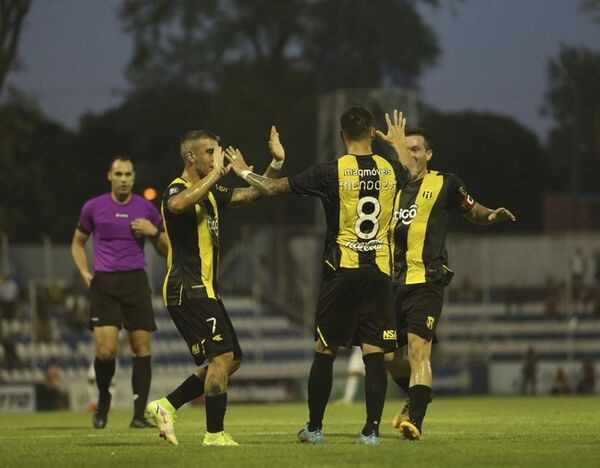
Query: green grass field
x,y
469,431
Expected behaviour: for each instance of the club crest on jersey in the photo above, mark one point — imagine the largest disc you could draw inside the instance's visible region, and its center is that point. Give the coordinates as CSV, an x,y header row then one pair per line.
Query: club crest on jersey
x,y
406,215
196,348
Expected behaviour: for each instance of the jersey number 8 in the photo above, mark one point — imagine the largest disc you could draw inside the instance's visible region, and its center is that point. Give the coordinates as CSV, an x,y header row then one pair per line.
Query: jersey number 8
x,y
371,217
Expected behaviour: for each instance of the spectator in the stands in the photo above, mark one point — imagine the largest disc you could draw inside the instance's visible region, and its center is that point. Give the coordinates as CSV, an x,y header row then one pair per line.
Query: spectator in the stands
x,y
587,384
577,269
466,293
513,299
52,383
596,291
11,357
553,296
529,373
77,302
9,294
560,383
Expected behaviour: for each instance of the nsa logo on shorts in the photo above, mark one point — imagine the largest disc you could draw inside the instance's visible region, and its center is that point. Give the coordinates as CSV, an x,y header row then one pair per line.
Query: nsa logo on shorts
x,y
430,321
196,348
389,334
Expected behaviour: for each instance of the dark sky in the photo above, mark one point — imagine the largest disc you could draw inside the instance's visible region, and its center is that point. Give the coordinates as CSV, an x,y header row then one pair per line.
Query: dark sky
x,y
74,54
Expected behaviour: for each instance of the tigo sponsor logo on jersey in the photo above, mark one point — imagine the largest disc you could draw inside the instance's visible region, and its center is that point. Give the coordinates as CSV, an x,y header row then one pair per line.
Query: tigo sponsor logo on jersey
x,y
406,215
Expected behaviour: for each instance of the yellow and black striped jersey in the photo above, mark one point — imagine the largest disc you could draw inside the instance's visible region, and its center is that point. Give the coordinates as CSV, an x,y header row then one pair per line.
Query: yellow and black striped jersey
x,y
419,227
193,237
358,195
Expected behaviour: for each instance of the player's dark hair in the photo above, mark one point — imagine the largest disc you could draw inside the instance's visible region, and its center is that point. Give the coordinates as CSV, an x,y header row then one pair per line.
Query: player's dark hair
x,y
356,123
119,157
199,135
421,132
194,135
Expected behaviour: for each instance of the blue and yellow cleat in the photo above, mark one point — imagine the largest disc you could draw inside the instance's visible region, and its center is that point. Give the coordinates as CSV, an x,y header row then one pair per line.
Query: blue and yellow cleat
x,y
371,439
311,437
161,413
218,439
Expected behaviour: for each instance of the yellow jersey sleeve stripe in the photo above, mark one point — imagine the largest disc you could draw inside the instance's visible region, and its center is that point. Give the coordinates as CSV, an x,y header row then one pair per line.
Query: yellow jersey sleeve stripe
x,y
347,178
387,181
206,251
432,184
169,255
322,337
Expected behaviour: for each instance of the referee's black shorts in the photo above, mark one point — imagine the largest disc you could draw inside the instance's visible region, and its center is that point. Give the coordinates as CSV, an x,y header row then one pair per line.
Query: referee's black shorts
x,y
206,328
355,307
418,310
121,298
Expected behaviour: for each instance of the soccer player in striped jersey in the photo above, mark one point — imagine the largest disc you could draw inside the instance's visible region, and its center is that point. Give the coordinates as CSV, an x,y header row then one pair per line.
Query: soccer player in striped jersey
x,y
354,306
190,209
421,271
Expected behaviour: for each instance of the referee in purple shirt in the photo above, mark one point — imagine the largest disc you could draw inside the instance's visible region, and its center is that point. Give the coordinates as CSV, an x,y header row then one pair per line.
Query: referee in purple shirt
x,y
119,291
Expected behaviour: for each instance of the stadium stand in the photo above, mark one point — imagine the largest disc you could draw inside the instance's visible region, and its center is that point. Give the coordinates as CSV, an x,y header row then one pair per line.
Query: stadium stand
x,y
276,348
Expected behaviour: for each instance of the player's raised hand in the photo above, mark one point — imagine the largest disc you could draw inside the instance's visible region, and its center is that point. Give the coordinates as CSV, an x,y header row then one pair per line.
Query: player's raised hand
x,y
275,146
238,164
395,129
501,214
219,162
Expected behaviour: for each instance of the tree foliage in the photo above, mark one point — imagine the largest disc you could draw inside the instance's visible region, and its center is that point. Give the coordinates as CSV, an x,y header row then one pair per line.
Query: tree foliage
x,y
12,14
593,8
573,101
500,162
36,172
341,43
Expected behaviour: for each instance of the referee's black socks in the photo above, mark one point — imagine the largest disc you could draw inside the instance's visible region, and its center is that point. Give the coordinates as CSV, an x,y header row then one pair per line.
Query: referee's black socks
x,y
141,375
375,388
190,389
420,396
104,370
320,381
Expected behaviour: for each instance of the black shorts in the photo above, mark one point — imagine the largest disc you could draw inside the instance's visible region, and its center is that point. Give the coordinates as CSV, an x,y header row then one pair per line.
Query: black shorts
x,y
418,310
355,307
206,328
121,298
